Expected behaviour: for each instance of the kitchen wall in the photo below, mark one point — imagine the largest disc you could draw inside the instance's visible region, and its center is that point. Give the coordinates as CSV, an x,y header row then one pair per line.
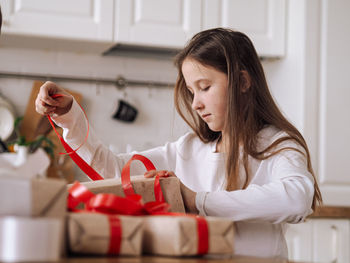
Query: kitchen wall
x,y
157,121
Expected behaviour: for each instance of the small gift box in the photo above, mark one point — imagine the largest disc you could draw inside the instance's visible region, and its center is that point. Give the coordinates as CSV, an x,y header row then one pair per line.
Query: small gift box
x,y
101,234
31,239
32,196
143,186
185,235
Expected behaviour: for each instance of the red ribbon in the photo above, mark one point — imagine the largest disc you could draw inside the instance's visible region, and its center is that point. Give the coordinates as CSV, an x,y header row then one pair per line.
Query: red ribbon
x,y
131,204
116,235
87,169
127,187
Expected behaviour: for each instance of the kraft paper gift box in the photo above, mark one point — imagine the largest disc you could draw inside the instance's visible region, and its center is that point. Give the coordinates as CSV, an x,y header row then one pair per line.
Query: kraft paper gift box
x,y
89,233
33,197
177,236
144,187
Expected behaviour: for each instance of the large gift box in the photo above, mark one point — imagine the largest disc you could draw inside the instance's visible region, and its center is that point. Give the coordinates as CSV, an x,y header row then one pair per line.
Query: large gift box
x,y
178,236
92,233
32,197
143,186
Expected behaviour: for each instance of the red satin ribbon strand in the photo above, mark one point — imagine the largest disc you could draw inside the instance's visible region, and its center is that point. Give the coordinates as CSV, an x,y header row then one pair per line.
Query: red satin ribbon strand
x,y
158,193
54,96
87,169
203,235
127,186
84,166
115,235
112,204
126,183
78,193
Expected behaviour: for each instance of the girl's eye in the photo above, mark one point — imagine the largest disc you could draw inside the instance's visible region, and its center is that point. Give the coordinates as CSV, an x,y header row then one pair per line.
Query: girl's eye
x,y
205,88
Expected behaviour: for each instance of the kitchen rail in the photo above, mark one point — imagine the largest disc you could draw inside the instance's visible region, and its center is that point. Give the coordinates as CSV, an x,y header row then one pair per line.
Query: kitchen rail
x,y
119,82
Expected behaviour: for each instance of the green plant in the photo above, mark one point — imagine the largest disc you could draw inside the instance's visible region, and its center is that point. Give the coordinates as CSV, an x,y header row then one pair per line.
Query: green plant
x,y
40,141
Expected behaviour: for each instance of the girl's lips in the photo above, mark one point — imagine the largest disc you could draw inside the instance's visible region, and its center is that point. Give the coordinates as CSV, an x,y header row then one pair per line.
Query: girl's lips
x,y
204,116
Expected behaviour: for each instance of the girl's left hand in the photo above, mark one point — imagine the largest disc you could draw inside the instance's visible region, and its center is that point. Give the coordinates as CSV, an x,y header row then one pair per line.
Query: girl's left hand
x,y
188,196
161,173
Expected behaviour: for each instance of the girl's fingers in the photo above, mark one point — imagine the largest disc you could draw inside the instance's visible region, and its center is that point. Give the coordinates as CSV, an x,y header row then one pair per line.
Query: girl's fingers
x,y
160,173
150,174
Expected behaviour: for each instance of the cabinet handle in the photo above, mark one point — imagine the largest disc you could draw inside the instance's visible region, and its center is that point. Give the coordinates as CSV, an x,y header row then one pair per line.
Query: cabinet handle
x,y
335,237
6,22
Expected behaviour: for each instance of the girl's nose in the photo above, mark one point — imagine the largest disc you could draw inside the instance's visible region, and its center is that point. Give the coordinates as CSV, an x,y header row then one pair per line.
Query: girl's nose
x,y
196,103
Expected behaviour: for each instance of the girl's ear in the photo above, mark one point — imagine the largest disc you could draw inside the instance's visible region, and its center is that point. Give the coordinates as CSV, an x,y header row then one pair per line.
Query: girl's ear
x,y
245,81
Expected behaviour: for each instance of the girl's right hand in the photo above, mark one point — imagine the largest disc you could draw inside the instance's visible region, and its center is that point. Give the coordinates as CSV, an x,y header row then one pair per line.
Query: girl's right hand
x,y
45,104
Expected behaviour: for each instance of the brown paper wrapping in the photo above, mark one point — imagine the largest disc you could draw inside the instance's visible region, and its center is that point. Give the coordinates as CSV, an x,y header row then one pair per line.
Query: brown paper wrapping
x,y
177,236
89,233
33,197
142,186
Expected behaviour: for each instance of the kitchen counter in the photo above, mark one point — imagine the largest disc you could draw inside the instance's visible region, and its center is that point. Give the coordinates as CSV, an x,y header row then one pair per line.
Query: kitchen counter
x,y
153,259
331,212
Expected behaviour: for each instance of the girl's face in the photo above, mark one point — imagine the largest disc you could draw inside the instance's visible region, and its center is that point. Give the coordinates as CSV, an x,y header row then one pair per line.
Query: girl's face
x,y
209,89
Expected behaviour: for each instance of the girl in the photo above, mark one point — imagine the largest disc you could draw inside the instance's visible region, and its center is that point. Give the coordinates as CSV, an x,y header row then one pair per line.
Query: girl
x,y
244,160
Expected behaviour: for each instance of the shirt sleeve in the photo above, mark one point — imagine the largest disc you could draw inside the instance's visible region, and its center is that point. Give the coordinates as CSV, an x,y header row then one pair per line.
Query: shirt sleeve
x,y
286,197
98,156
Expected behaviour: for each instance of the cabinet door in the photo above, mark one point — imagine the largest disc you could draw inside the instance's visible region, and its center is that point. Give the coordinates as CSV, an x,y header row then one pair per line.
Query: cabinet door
x,y
299,241
160,23
78,19
334,107
331,241
319,240
262,20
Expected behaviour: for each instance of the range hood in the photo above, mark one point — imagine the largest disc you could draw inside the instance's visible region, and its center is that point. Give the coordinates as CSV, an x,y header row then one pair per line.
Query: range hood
x,y
142,52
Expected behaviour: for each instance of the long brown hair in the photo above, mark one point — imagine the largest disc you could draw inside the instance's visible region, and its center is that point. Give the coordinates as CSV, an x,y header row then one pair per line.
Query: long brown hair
x,y
232,53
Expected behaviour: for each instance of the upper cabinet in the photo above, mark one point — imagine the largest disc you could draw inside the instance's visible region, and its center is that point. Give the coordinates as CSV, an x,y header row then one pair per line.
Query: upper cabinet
x,y
171,23
75,20
157,23
262,20
167,24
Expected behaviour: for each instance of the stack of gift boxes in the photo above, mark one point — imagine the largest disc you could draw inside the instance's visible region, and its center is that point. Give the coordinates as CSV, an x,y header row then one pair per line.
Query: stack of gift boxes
x,y
35,224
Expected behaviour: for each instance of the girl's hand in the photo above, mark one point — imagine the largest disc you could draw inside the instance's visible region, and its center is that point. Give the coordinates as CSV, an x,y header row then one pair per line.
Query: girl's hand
x,y
188,196
161,173
45,104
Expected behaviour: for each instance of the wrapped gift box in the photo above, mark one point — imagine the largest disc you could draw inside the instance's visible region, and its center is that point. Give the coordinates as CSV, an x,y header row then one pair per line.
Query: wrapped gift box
x,y
31,239
89,233
177,236
144,187
32,197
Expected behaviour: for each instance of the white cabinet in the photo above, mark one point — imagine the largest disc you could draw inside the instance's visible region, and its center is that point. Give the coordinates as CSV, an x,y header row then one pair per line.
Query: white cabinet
x,y
319,240
327,96
167,24
262,20
75,20
170,23
157,23
334,118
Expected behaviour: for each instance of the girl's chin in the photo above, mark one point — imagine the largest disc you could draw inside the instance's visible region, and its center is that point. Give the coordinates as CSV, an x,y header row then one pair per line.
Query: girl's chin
x,y
214,128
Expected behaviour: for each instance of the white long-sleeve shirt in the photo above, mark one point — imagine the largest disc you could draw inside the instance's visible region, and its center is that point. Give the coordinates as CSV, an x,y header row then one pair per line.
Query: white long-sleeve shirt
x,y
280,189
